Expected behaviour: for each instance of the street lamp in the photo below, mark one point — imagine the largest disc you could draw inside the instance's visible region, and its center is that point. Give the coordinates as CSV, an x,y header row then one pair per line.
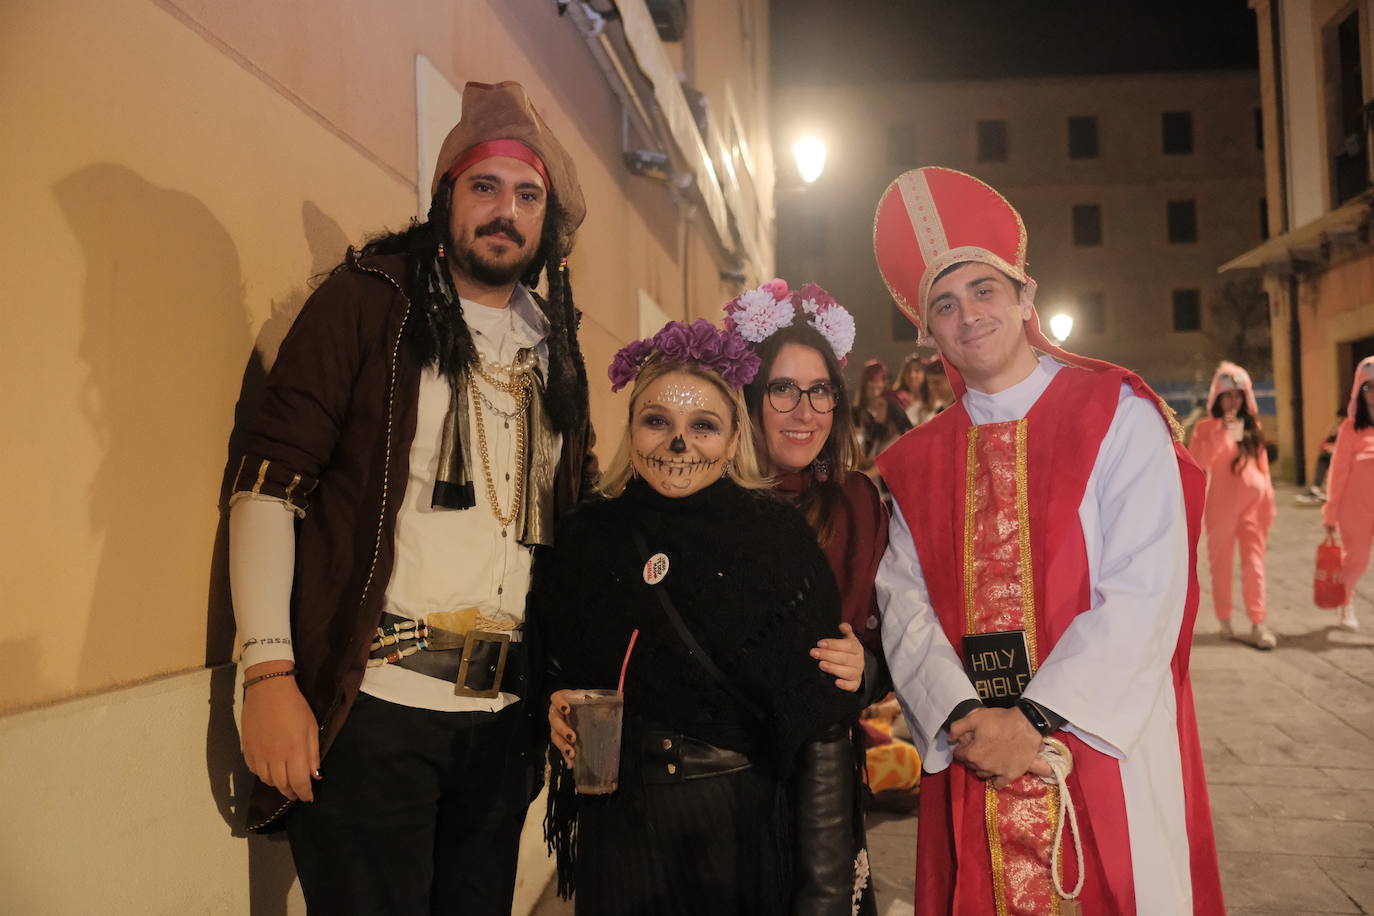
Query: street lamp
x,y
810,155
1061,326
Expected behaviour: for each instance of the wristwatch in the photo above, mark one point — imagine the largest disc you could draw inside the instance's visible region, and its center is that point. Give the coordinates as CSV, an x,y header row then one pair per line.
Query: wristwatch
x,y
1042,720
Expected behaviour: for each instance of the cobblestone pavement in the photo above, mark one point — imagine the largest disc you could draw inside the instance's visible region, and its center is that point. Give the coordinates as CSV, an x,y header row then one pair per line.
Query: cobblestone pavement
x,y
1289,742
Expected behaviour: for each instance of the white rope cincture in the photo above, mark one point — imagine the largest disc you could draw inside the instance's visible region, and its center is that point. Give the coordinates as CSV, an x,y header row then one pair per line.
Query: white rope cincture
x,y
1060,759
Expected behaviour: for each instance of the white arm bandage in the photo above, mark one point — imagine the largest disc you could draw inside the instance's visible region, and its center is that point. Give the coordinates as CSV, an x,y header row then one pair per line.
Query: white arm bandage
x,y
262,562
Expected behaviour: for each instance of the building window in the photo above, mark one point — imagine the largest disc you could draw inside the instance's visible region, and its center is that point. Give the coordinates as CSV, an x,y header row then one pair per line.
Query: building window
x,y
1178,133
1187,310
1087,224
1259,128
1182,222
1264,218
902,328
1083,137
992,141
1092,313
901,145
1347,130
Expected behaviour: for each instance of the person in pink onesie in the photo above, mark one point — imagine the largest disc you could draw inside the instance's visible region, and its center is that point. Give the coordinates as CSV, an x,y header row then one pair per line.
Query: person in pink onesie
x,y
1229,445
1349,506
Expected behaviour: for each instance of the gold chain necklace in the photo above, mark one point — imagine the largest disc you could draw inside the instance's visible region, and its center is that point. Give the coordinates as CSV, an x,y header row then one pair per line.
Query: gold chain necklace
x,y
520,387
516,376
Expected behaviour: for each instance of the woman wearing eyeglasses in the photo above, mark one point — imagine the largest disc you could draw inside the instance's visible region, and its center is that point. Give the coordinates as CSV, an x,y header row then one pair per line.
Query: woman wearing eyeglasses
x,y
804,437
1350,489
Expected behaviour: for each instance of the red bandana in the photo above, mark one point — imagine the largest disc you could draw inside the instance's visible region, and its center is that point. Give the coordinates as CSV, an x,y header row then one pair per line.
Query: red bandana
x,y
511,149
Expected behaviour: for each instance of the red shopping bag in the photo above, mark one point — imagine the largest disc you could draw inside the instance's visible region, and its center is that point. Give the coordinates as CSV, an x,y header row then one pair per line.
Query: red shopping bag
x,y
1328,585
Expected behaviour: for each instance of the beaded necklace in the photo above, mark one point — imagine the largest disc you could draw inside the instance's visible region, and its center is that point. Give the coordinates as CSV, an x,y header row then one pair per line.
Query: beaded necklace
x,y
518,382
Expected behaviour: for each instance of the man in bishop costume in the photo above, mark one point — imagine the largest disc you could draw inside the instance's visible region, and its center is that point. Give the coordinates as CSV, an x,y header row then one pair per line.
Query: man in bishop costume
x,y
1039,588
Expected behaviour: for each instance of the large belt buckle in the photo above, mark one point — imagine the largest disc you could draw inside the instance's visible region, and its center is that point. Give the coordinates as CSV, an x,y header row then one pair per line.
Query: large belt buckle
x,y
479,673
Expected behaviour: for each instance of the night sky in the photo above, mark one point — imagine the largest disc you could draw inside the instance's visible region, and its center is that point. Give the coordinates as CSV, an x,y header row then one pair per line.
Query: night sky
x,y
862,41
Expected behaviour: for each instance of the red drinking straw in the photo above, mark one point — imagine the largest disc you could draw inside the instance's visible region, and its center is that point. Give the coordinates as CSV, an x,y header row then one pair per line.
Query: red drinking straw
x,y
620,688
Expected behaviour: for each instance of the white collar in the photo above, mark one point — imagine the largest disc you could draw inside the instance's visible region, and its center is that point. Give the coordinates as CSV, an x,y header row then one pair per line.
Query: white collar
x,y
527,321
1015,402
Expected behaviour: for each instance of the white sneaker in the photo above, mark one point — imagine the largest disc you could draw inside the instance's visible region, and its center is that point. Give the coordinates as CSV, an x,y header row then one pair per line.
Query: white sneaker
x,y
1346,620
1225,627
1261,637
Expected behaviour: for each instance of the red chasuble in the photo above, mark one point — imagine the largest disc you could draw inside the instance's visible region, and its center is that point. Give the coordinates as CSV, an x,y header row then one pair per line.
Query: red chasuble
x,y
1007,553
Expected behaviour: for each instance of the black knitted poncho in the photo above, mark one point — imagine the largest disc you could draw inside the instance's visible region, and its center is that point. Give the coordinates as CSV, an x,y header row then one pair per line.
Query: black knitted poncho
x,y
752,585
750,582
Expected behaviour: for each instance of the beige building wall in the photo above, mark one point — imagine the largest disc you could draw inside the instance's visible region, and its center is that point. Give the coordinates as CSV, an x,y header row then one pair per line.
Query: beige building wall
x,y
1317,270
1136,268
173,173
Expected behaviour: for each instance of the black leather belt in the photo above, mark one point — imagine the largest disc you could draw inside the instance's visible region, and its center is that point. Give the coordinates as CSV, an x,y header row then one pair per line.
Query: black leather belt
x,y
674,757
484,665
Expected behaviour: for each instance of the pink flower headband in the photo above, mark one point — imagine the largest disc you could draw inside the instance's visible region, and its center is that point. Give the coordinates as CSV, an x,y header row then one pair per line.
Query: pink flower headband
x,y
713,350
760,313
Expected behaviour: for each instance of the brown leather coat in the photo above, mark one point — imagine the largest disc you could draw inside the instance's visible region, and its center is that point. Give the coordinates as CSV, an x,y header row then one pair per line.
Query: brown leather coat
x,y
332,439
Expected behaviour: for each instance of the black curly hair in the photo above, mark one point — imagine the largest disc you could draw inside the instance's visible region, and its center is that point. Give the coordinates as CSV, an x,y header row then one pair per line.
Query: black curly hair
x,y
441,338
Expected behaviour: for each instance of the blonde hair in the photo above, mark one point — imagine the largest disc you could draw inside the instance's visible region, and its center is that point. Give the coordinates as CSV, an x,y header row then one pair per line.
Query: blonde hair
x,y
743,469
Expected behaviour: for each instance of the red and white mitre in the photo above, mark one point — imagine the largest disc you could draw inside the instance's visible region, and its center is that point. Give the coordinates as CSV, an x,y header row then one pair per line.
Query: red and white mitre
x,y
931,218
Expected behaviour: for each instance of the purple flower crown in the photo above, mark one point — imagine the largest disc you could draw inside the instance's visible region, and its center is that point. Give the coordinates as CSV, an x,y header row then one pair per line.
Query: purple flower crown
x,y
760,313
712,349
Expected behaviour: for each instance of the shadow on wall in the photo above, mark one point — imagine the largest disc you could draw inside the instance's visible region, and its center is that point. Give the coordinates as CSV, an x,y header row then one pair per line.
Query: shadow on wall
x,y
165,328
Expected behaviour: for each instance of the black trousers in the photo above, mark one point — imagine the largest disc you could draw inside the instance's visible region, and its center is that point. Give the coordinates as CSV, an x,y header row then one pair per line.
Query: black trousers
x,y
416,812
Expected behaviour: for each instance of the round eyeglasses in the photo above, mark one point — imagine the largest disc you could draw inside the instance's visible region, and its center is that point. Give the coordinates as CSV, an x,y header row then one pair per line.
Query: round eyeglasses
x,y
784,396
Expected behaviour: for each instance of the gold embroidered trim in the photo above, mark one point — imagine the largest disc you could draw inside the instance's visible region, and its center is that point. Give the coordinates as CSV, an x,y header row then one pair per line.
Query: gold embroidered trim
x,y
999,891
390,422
262,476
1171,417
295,481
970,493
271,817
1023,533
1052,803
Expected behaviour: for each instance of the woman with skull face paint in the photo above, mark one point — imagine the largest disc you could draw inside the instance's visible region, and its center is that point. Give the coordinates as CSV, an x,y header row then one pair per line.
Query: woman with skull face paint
x,y
728,801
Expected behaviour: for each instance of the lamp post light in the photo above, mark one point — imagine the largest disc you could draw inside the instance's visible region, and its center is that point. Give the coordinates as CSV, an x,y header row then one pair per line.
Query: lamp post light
x,y
810,155
1061,326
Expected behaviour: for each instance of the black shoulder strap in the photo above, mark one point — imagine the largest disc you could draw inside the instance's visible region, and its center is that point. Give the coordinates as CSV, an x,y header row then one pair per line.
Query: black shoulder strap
x,y
694,647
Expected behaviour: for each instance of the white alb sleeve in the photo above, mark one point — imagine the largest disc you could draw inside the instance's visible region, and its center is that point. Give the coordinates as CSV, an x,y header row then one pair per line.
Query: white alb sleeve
x,y
262,562
926,673
1107,672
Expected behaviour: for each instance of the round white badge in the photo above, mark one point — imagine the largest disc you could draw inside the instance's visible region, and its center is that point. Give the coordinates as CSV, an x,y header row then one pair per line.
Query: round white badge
x,y
656,568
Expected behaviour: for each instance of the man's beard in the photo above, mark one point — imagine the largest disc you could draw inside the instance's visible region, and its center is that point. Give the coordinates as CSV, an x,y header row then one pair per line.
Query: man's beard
x,y
490,273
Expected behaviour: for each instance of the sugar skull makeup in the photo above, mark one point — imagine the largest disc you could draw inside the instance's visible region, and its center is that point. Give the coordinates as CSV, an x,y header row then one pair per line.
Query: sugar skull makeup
x,y
682,431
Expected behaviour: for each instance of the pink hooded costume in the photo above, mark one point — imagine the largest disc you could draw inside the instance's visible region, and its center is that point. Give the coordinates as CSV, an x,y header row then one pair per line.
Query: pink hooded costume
x,y
1350,490
1240,502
